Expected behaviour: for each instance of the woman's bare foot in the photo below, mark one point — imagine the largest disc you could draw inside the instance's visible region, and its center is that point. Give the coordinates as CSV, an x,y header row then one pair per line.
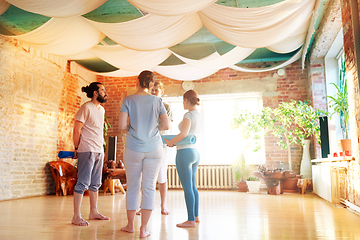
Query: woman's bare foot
x,y
164,211
138,212
197,219
129,229
187,224
79,221
144,233
97,216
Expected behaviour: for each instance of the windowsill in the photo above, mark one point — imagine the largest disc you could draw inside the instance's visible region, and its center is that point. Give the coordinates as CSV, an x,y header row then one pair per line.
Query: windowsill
x,y
334,159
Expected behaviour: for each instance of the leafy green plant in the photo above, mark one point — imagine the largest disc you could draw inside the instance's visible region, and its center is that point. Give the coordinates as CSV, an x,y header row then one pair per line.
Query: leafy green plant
x,y
241,169
291,122
252,178
339,102
107,125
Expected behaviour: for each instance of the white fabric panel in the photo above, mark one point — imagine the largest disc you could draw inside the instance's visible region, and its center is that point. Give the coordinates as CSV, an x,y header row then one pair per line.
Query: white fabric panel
x,y
171,7
289,44
217,61
292,42
246,27
184,72
58,8
151,32
4,5
81,56
130,60
120,73
63,36
82,72
290,61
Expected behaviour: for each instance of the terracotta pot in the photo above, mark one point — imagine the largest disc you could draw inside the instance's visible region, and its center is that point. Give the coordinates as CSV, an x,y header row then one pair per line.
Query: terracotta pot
x,y
242,186
344,145
289,185
277,175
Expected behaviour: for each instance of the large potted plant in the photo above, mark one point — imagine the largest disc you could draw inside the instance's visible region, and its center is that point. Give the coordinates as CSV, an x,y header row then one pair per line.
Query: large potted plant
x,y
241,173
339,104
291,122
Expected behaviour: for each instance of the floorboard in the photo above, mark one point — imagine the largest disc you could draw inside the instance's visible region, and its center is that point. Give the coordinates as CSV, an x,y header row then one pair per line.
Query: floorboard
x,y
224,215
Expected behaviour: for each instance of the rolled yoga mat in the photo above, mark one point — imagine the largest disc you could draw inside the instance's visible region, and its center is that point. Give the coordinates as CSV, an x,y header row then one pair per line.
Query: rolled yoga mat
x,y
190,139
66,154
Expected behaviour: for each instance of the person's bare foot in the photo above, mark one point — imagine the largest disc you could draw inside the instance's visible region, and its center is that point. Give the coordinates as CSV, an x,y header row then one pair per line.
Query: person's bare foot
x,y
97,216
187,224
138,212
144,233
164,211
129,229
79,222
197,219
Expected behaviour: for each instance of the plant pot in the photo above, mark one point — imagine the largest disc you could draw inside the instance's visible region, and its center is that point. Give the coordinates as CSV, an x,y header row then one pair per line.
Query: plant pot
x,y
289,185
344,145
243,187
253,186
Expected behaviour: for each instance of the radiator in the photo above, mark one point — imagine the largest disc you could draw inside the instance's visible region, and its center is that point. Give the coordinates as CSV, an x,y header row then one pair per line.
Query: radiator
x,y
207,177
326,182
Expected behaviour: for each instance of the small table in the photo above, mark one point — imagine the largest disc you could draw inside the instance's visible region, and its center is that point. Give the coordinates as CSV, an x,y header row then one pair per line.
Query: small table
x,y
111,184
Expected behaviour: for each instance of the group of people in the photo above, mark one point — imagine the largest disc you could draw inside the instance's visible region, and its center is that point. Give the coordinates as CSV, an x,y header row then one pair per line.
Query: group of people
x,y
145,117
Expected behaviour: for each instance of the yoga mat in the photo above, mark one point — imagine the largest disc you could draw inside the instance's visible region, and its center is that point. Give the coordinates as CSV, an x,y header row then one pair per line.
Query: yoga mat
x,y
190,139
65,154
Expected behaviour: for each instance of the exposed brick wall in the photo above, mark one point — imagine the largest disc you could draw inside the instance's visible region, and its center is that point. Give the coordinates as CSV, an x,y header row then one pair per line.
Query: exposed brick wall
x,y
37,103
275,89
353,186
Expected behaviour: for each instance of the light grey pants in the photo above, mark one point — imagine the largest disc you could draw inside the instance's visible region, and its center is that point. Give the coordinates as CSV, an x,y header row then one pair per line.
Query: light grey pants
x,y
141,166
90,165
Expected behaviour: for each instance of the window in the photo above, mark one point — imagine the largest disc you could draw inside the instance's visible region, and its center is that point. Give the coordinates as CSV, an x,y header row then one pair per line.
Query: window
x,y
219,143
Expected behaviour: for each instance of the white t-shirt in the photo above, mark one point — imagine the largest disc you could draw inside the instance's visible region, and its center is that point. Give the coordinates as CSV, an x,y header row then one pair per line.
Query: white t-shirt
x,y
195,127
91,138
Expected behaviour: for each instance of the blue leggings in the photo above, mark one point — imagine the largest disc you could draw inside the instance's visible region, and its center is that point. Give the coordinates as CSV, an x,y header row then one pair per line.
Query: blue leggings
x,y
187,161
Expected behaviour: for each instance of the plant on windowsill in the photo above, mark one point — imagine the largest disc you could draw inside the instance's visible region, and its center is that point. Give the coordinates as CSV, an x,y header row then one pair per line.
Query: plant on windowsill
x,y
290,123
339,103
241,173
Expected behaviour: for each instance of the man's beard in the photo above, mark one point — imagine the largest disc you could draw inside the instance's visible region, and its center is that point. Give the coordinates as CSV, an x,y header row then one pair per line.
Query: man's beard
x,y
101,99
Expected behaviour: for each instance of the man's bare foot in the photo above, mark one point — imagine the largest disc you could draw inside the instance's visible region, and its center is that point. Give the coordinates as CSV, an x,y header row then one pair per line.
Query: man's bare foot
x,y
128,229
187,224
164,211
144,233
98,216
197,219
79,222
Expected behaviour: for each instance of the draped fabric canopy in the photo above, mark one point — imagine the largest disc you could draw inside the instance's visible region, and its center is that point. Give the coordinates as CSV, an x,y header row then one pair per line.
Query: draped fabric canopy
x,y
148,42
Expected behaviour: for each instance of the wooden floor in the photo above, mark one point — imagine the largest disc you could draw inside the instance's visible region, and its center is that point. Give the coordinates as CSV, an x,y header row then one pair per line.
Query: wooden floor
x,y
224,215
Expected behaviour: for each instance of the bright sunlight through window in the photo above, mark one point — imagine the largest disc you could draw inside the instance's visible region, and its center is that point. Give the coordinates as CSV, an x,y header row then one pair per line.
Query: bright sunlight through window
x,y
218,143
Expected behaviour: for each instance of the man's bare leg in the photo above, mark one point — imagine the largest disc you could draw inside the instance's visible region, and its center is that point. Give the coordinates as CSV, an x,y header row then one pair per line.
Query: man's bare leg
x,y
163,192
186,224
77,219
145,216
130,217
94,214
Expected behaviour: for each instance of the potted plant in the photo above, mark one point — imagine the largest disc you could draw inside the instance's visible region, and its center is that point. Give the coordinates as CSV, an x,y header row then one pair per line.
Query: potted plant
x,y
253,184
291,122
241,173
339,103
